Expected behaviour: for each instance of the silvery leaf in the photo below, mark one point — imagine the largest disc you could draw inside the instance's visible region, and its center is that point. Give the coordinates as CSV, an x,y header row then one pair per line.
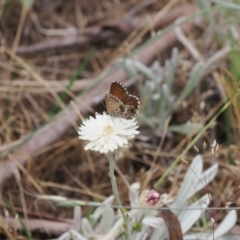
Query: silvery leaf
x,y
77,235
198,236
134,193
115,231
194,180
100,210
189,182
187,218
155,222
87,228
188,128
227,223
127,66
144,70
170,69
107,218
206,177
140,235
159,234
65,236
77,218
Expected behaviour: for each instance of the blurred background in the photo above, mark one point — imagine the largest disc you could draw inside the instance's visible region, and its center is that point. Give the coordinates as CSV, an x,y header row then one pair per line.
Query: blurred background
x,y
58,59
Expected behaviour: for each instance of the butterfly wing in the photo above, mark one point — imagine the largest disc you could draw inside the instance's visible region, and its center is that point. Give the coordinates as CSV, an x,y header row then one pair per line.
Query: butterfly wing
x,y
119,91
133,101
112,104
119,103
131,105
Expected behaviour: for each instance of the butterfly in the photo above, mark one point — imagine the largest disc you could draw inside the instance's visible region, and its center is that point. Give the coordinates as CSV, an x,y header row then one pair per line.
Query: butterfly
x,y
121,104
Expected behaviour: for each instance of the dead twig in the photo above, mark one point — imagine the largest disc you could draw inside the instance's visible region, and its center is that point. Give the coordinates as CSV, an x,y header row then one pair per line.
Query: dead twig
x,y
173,225
39,225
38,88
108,32
188,44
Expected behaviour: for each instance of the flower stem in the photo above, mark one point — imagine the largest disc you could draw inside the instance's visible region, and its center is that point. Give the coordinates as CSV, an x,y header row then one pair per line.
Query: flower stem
x,y
115,192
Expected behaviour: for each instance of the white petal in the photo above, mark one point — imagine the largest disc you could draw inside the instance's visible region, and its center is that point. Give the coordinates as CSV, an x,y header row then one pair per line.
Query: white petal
x,y
105,133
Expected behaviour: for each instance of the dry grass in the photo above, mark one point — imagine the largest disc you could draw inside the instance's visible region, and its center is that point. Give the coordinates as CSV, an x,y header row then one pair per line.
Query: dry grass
x,y
29,88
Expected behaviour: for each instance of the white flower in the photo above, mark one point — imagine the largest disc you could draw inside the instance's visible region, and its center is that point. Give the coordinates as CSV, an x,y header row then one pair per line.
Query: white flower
x,y
106,134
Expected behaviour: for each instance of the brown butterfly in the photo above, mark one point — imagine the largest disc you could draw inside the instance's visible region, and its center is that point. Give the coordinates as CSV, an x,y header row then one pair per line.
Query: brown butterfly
x,y
119,103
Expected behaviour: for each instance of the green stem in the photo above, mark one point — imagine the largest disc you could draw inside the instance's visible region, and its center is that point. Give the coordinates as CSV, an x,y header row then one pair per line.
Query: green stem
x,y
116,195
190,145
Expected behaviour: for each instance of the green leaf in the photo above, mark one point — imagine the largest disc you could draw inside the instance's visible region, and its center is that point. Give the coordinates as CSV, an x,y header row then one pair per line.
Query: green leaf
x,y
227,4
27,3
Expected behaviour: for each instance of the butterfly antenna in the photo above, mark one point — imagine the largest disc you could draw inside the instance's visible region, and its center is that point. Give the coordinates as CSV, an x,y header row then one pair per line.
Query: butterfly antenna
x,y
103,103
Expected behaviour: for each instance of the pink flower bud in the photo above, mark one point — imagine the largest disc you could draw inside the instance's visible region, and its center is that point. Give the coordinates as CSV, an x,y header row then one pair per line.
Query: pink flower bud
x,y
149,198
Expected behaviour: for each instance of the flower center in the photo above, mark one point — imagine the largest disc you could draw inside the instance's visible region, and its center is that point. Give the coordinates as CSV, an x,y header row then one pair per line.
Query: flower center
x,y
108,130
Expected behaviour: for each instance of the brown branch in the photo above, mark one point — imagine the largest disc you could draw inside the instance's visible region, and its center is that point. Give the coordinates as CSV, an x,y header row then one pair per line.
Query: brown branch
x,y
107,31
51,132
39,225
173,225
